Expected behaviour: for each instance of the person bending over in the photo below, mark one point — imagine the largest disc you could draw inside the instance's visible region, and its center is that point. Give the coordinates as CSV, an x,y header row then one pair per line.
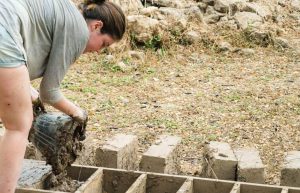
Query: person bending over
x,y
42,38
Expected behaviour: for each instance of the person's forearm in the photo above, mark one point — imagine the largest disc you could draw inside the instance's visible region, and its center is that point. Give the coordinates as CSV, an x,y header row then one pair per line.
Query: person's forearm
x,y
66,106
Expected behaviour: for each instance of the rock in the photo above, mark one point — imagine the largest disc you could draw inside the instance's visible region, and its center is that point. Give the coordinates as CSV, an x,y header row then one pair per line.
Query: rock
x,y
194,12
227,24
109,58
259,36
295,16
168,3
281,43
295,45
137,55
143,28
282,3
174,13
149,11
247,51
295,5
175,19
202,6
224,46
211,19
191,37
227,6
261,10
129,6
245,20
124,67
209,2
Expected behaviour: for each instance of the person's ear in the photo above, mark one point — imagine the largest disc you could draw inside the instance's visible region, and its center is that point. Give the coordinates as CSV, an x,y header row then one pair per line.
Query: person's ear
x,y
98,25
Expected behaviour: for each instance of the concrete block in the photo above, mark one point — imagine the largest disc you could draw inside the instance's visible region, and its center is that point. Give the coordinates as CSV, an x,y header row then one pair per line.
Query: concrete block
x,y
162,157
33,174
118,152
139,186
290,173
250,167
220,161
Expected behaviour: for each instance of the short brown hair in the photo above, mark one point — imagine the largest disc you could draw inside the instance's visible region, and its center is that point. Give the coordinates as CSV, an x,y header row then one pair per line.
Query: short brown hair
x,y
112,16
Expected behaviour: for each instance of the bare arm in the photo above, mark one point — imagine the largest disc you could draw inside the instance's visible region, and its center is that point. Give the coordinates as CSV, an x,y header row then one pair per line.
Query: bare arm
x,y
67,107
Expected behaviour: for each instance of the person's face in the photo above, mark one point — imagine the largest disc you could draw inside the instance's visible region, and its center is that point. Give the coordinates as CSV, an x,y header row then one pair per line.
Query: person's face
x,y
97,40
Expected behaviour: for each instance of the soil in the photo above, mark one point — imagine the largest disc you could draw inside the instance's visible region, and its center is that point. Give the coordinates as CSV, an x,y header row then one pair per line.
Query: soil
x,y
197,93
63,183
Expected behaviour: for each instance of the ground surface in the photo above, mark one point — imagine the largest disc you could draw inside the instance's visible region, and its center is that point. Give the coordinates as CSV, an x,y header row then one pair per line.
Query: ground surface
x,y
197,94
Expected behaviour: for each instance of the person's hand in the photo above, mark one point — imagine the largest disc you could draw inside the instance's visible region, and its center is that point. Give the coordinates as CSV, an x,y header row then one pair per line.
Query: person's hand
x,y
80,117
34,93
38,107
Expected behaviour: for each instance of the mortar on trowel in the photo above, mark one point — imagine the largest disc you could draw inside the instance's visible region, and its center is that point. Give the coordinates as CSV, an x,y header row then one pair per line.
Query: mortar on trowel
x,y
57,136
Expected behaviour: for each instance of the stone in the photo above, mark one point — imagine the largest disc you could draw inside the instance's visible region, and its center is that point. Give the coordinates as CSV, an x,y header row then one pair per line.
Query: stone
x,y
202,6
222,6
246,20
250,167
245,51
143,28
210,10
295,5
168,3
109,58
224,47
281,43
262,37
219,161
173,13
209,2
290,173
149,11
130,7
118,152
175,20
259,9
136,54
282,3
212,19
227,6
192,37
162,157
194,13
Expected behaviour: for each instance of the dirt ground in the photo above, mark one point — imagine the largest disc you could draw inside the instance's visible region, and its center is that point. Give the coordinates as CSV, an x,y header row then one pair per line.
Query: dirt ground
x,y
199,96
196,93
